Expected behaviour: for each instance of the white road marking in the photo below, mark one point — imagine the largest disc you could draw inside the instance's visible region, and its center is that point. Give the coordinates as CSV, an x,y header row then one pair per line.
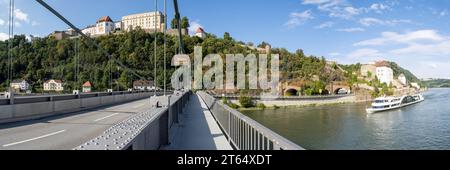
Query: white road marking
x,y
36,138
96,120
138,106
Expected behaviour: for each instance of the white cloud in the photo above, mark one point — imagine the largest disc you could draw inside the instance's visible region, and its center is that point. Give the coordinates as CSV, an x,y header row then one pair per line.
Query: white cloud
x,y
378,8
335,8
298,18
356,29
352,11
425,52
343,12
370,21
325,25
439,49
407,38
2,22
374,21
20,15
3,36
431,69
365,52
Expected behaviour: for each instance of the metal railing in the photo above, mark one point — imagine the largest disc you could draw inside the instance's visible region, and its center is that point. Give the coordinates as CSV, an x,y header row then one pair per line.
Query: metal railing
x,y
243,132
144,131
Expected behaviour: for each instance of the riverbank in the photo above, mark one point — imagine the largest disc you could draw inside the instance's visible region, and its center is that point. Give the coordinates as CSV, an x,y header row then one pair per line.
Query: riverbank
x,y
277,104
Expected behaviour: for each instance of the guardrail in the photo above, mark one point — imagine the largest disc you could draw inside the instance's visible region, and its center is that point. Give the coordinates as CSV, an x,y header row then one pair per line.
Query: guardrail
x,y
243,132
143,131
28,108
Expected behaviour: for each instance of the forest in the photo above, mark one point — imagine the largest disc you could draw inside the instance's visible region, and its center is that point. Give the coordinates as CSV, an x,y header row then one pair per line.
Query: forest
x,y
41,59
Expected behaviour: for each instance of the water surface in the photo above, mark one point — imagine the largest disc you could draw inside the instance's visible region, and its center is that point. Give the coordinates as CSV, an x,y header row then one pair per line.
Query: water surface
x,y
421,126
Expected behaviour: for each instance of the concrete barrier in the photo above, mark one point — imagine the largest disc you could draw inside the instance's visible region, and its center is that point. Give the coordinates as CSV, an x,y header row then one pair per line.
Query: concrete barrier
x,y
6,112
44,106
144,131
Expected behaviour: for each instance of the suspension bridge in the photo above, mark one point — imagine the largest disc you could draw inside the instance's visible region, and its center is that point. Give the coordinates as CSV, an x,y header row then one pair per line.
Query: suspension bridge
x,y
127,120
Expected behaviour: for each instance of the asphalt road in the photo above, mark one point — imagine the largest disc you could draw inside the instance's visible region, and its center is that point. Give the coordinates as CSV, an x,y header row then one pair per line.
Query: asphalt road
x,y
67,131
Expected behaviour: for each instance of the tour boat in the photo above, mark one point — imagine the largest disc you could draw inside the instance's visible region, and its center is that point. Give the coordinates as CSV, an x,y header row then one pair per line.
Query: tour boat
x,y
389,103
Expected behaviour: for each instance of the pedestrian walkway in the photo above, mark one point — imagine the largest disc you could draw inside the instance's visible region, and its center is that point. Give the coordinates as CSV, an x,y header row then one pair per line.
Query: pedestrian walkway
x,y
197,129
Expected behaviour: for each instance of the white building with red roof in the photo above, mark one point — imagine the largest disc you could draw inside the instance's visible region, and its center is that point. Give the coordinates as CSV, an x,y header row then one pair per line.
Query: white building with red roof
x,y
53,85
104,25
200,32
87,87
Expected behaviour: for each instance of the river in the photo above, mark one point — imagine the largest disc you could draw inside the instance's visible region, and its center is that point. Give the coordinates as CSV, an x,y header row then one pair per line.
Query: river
x,y
424,126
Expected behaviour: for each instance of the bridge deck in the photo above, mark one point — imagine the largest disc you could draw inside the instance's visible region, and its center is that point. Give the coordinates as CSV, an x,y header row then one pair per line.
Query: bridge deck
x,y
65,132
198,129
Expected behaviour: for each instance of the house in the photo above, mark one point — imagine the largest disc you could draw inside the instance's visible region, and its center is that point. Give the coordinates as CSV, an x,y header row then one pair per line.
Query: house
x,y
104,25
381,69
59,35
87,87
20,85
368,70
385,75
149,21
143,85
53,85
200,32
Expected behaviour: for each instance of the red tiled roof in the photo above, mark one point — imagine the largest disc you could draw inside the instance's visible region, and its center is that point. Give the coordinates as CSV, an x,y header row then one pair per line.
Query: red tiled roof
x,y
87,84
382,64
199,30
104,19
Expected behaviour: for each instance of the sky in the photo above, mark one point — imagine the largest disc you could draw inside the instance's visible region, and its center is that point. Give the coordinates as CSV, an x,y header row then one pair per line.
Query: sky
x,y
413,33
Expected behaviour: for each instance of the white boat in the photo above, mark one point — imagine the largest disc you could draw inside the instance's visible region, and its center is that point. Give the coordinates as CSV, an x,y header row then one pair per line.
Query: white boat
x,y
389,103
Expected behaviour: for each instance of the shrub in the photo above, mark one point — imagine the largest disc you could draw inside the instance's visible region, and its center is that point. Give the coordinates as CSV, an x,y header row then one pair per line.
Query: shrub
x,y
232,105
245,101
261,105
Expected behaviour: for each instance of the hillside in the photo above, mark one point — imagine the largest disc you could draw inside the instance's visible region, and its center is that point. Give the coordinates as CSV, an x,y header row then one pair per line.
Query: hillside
x,y
438,83
355,68
47,58
399,70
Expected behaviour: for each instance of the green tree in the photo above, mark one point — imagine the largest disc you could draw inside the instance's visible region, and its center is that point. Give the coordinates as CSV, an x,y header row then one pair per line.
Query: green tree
x,y
263,45
185,23
245,101
174,23
227,36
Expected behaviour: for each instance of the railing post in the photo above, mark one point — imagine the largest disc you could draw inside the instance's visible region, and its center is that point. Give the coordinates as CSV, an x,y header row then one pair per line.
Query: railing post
x,y
263,141
229,127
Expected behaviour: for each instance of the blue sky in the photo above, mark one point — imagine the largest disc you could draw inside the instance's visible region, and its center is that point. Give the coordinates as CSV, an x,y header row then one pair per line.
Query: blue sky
x,y
414,33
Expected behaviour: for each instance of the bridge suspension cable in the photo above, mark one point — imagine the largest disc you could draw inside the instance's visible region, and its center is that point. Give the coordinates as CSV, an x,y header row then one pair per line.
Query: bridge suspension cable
x,y
76,64
10,42
154,50
90,40
165,43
